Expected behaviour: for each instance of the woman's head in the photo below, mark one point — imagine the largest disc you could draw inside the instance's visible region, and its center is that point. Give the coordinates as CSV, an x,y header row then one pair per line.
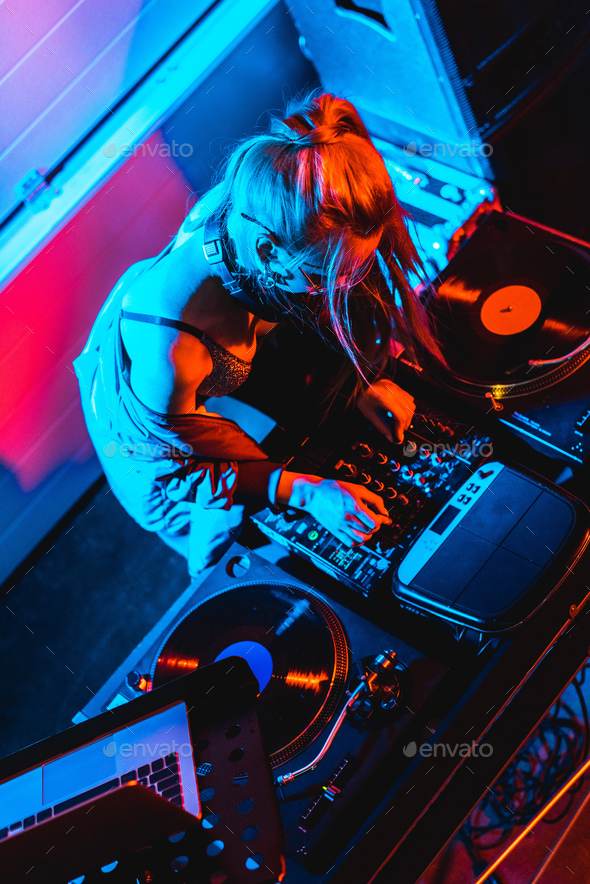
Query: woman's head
x,y
311,205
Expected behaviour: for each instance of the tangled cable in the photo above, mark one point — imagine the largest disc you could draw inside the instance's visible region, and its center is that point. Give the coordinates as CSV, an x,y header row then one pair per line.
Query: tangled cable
x,y
541,767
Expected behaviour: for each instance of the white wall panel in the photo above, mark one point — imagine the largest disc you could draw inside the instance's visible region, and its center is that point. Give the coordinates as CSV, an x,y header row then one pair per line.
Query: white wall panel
x,y
64,64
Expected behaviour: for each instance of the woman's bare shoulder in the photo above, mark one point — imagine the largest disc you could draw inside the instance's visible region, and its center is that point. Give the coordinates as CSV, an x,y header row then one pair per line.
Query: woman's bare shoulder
x,y
168,281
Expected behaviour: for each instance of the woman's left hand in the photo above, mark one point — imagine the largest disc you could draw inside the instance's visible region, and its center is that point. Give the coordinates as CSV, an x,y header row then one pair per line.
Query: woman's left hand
x,y
384,396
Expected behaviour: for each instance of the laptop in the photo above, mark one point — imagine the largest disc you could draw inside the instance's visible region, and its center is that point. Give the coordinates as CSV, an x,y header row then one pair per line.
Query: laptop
x,y
126,780
155,751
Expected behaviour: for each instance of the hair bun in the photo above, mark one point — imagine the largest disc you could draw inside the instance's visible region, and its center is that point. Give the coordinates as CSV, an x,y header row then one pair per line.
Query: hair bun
x,y
326,134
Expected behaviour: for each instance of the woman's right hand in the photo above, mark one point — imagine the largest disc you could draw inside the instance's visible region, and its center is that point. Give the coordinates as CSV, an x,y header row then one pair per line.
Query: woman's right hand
x,y
350,512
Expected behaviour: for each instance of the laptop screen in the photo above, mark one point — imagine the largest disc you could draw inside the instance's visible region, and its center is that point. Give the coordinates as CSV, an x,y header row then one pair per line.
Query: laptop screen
x,y
156,750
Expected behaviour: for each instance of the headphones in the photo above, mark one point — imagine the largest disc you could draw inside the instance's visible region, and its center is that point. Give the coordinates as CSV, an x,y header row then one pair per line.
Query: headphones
x,y
246,293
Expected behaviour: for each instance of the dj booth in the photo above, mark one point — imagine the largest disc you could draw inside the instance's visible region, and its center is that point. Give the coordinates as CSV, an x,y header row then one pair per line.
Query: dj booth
x,y
393,682
398,678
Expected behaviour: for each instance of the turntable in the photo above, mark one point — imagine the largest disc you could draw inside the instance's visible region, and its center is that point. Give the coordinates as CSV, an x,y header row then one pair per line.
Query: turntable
x,y
330,740
512,311
294,644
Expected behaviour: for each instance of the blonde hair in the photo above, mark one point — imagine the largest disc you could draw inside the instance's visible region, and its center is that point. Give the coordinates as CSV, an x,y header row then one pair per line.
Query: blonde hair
x,y
319,184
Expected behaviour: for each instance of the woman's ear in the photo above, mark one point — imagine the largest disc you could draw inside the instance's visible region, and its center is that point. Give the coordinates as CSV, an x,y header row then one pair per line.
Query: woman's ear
x,y
265,250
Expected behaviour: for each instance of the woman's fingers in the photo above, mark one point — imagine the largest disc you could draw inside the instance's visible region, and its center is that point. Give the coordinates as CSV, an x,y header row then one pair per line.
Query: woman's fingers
x,y
362,512
358,536
361,515
390,432
399,404
356,525
346,539
350,537
373,500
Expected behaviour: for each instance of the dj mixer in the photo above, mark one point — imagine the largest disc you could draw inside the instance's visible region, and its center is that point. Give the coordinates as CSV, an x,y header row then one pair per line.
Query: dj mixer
x,y
416,478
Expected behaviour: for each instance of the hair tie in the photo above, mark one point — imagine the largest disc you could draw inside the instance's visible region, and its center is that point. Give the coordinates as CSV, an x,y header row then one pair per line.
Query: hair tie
x,y
327,134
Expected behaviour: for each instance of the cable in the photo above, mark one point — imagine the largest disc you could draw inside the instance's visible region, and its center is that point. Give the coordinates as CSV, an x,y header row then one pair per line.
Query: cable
x,y
539,769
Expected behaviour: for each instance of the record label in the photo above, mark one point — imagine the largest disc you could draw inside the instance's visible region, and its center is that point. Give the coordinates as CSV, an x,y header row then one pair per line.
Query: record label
x,y
511,309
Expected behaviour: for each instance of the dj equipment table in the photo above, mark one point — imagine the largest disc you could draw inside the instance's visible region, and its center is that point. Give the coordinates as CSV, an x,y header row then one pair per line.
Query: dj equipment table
x,y
415,665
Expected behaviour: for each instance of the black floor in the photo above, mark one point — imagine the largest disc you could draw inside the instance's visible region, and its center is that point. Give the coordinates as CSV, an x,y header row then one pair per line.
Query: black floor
x,y
70,621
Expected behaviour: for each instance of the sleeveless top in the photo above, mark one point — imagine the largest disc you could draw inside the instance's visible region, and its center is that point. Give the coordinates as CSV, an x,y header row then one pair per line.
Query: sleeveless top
x,y
229,371
185,444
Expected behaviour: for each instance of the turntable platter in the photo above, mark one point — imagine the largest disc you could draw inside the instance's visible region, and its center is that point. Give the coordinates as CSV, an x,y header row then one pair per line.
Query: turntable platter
x,y
510,297
294,644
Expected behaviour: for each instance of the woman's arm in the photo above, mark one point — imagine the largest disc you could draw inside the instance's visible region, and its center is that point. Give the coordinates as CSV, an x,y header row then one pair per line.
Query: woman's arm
x,y
167,377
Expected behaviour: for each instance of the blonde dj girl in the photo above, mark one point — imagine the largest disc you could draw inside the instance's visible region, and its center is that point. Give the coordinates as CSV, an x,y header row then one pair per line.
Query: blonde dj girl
x,y
303,222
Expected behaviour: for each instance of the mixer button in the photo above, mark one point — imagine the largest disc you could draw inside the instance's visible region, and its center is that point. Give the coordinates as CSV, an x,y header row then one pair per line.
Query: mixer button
x,y
444,430
364,450
348,469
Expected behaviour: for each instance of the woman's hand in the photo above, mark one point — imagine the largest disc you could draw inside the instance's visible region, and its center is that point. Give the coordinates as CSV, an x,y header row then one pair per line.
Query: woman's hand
x,y
350,512
385,396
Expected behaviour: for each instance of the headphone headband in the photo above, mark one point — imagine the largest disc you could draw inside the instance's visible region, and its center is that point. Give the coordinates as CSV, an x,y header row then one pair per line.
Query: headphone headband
x,y
217,256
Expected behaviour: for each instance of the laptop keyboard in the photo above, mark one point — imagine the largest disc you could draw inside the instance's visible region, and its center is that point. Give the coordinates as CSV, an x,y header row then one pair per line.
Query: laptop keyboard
x,y
162,776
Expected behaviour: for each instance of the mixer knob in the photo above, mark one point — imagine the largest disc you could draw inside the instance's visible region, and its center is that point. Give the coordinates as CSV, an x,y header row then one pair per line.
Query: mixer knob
x,y
435,460
377,485
394,466
381,458
137,681
402,500
364,450
348,469
390,493
410,449
444,430
424,452
406,473
365,479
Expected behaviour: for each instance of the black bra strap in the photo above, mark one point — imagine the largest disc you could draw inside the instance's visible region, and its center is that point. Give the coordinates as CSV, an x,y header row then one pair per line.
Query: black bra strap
x,y
161,320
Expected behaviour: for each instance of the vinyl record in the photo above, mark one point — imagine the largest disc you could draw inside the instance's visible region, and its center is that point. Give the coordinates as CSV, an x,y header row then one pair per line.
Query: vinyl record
x,y
294,644
502,307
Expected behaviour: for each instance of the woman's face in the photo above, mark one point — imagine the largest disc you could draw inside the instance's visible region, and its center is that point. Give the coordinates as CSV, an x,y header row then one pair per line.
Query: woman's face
x,y
303,277
302,274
